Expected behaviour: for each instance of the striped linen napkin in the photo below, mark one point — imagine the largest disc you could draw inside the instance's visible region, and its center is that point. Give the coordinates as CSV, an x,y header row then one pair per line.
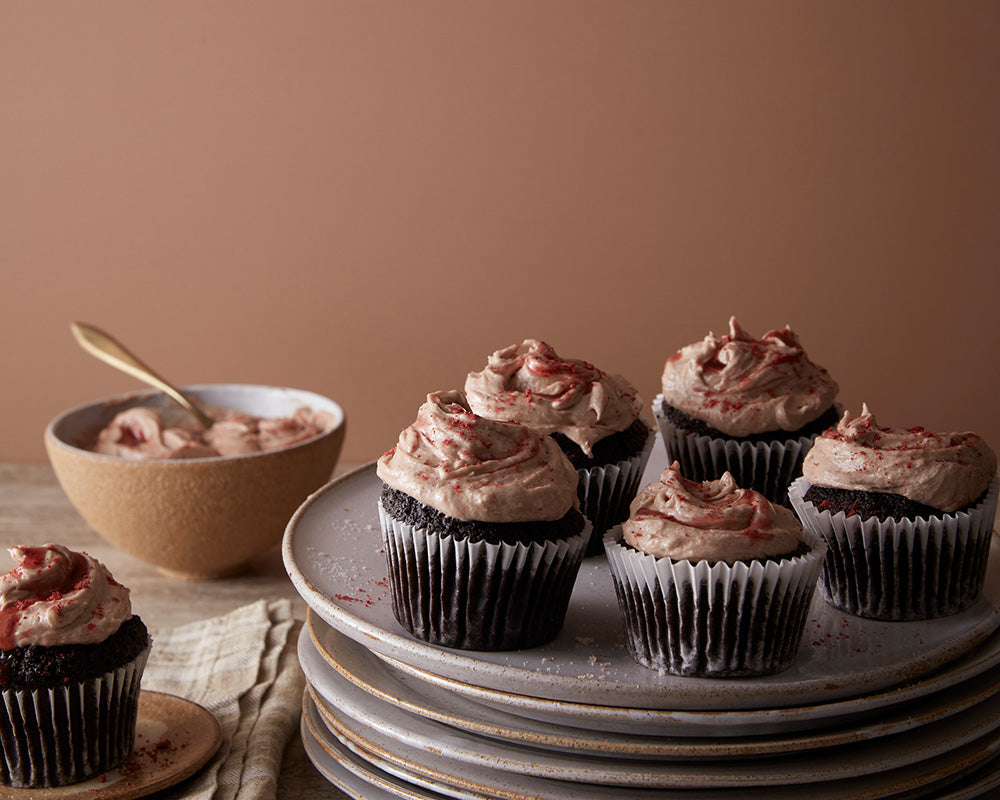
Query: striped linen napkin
x,y
241,666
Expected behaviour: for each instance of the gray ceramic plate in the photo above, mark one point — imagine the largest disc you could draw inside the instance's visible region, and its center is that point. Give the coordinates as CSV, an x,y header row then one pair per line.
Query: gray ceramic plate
x,y
332,550
737,722
367,748
343,672
351,773
414,743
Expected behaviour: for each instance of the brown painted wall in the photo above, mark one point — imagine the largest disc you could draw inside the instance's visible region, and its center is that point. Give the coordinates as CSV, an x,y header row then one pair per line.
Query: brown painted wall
x,y
365,199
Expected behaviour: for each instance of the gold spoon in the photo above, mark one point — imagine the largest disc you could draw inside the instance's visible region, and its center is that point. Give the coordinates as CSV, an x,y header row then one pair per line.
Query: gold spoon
x,y
105,347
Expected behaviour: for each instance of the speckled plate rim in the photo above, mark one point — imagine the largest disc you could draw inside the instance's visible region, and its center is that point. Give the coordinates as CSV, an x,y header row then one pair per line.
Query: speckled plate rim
x,y
975,783
404,739
194,736
351,773
925,778
353,783
332,553
362,779
335,665
738,722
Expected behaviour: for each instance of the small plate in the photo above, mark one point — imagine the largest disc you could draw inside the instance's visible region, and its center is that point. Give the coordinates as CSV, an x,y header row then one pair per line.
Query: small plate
x,y
332,550
174,738
344,674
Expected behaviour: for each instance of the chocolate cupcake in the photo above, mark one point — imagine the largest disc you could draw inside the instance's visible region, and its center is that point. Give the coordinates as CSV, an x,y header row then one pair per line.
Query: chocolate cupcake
x,y
71,660
712,580
482,531
907,514
750,407
593,417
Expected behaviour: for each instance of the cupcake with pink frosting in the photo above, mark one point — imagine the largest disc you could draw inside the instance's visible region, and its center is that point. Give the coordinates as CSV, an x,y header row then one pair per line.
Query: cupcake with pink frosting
x,y
750,407
592,415
71,660
712,580
908,516
483,534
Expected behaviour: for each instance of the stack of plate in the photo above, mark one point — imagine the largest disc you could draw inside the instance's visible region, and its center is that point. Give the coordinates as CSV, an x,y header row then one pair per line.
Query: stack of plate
x,y
869,709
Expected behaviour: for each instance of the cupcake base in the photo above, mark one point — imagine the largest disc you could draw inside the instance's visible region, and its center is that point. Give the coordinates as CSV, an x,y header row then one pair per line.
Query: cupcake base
x,y
882,505
479,595
713,620
70,733
765,465
900,570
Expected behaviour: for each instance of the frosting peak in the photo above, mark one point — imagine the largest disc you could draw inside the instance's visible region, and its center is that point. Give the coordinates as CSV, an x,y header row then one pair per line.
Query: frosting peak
x,y
946,471
708,520
530,384
743,386
473,468
56,596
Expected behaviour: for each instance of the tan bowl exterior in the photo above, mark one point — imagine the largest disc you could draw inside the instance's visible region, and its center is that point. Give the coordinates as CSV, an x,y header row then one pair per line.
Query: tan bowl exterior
x,y
197,518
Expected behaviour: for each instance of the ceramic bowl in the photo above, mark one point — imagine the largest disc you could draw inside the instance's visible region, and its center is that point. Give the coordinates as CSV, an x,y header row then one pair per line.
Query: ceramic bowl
x,y
196,518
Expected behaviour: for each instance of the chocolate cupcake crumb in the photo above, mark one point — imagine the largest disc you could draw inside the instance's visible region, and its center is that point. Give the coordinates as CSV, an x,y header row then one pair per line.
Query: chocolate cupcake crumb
x,y
696,426
609,450
406,508
35,666
881,505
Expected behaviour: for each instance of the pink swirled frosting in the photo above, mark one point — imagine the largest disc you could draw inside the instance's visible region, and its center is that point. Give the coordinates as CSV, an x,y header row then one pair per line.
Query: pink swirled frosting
x,y
473,468
530,384
743,386
946,471
56,596
709,520
145,433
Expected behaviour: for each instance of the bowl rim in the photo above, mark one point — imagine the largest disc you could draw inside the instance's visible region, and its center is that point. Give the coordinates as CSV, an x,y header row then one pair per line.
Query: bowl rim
x,y
125,398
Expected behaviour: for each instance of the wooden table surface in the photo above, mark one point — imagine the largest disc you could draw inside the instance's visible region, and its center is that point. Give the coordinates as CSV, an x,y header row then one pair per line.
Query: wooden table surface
x,y
34,510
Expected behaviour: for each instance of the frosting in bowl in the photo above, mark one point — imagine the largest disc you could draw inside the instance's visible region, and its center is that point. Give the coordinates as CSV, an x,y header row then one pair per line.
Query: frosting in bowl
x,y
743,386
708,521
56,596
947,471
473,468
530,384
145,433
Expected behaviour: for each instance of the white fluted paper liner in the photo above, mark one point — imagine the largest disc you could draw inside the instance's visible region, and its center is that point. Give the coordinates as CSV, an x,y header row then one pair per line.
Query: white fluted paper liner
x,y
898,570
479,595
709,620
67,734
605,493
765,467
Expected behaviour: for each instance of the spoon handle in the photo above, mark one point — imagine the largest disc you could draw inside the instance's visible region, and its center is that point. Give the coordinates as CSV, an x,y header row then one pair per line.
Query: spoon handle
x,y
103,346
